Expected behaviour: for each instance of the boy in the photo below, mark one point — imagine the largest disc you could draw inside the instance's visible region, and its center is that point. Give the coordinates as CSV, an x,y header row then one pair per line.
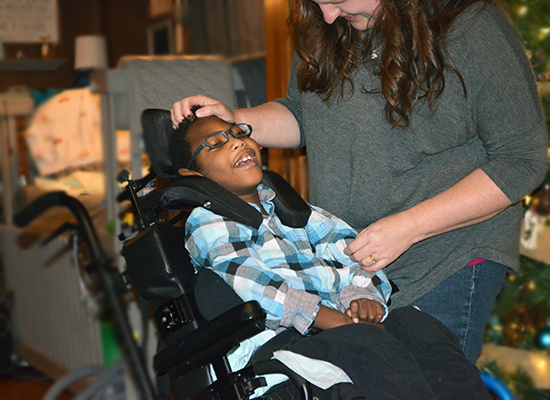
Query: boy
x,y
303,280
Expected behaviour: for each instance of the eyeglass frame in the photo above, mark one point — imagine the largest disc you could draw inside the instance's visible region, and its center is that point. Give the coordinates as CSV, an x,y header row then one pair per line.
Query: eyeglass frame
x,y
226,134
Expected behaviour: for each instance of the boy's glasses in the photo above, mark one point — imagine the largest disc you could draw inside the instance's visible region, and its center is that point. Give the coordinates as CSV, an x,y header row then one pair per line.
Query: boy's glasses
x,y
218,139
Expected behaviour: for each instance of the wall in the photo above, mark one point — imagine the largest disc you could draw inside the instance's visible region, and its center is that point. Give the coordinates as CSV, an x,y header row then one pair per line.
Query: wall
x,y
123,23
233,28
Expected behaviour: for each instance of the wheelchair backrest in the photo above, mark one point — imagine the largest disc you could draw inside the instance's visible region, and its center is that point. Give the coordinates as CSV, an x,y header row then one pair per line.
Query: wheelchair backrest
x,y
158,264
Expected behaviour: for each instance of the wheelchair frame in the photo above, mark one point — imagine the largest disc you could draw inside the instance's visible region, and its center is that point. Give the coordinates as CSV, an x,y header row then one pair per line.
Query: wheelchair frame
x,y
192,342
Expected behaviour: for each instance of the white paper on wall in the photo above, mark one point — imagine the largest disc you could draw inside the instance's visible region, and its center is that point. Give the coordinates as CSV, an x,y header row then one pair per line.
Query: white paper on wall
x,y
27,21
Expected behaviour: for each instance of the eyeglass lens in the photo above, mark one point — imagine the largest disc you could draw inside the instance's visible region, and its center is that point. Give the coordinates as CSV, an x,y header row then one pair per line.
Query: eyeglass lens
x,y
220,138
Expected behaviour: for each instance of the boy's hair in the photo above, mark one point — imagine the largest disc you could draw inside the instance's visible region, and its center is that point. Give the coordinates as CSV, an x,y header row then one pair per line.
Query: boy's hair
x,y
180,149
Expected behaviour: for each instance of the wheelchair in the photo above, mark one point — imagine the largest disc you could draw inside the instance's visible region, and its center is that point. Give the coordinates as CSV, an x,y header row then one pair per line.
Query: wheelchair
x,y
196,333
196,336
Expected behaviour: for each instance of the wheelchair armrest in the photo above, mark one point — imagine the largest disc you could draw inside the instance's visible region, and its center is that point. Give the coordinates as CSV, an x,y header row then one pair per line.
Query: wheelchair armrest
x,y
212,340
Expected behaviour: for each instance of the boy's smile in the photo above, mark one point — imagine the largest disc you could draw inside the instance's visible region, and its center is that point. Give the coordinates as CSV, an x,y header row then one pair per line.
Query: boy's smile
x,y
236,165
247,158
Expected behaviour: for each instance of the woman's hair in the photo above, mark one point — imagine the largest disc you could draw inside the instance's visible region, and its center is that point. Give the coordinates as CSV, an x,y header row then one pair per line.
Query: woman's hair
x,y
180,148
408,35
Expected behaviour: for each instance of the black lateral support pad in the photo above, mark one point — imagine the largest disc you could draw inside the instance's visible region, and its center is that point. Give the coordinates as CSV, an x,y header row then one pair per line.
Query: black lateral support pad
x,y
291,209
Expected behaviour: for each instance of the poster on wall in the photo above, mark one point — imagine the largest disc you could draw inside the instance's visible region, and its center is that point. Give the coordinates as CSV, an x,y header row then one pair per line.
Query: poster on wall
x,y
29,21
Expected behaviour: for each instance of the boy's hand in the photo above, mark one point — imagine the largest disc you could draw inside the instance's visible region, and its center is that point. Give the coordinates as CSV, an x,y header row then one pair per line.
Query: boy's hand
x,y
328,318
365,310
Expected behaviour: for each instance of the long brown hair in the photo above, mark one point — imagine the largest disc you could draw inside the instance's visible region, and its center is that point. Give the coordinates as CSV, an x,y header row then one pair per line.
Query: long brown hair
x,y
411,42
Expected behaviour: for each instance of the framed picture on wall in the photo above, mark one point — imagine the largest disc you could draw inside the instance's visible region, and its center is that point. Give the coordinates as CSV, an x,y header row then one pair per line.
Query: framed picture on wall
x,y
160,37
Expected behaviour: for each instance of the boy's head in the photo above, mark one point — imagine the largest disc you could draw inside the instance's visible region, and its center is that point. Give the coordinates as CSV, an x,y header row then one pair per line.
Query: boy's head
x,y
223,152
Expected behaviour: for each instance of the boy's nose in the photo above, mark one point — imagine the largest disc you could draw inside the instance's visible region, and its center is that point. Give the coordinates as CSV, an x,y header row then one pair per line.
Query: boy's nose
x,y
330,13
237,143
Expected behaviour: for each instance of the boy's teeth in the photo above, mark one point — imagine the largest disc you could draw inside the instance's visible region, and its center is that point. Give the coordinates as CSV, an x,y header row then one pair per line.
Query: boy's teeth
x,y
244,160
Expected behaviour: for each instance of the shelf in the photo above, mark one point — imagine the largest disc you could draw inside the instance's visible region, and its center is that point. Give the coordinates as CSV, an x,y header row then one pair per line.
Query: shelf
x,y
31,65
15,104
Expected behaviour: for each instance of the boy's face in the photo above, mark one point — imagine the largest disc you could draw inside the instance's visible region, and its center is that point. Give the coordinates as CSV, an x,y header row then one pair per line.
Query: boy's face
x,y
236,165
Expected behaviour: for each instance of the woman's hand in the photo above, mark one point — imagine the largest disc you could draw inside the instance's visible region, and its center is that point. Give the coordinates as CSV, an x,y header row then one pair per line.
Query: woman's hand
x,y
365,310
182,109
274,126
474,199
382,242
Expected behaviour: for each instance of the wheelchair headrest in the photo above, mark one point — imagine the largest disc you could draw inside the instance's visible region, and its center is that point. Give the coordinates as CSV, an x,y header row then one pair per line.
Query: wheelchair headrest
x,y
196,191
157,133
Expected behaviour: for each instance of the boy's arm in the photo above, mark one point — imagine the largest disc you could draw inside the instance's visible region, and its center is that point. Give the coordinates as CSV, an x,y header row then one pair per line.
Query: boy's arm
x,y
330,235
329,318
227,248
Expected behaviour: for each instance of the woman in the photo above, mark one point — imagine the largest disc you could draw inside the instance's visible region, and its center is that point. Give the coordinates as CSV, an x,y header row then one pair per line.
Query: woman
x,y
424,131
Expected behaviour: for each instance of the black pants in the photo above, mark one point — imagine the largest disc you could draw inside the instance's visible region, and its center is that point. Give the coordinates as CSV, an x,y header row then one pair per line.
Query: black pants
x,y
415,357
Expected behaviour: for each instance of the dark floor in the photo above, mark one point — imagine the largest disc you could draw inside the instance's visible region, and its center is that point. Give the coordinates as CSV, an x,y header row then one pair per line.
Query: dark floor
x,y
26,383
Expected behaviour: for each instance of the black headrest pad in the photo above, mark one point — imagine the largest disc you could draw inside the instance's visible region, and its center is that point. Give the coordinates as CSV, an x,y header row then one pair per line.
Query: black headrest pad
x,y
157,133
197,191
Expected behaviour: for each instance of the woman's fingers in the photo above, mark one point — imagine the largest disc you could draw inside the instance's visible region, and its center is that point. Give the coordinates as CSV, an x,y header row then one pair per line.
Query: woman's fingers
x,y
381,243
182,109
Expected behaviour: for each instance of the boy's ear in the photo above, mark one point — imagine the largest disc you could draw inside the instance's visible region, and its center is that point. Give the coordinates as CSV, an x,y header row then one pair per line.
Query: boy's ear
x,y
188,172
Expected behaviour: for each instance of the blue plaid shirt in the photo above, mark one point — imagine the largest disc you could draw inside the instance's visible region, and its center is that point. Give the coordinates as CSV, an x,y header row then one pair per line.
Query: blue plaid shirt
x,y
289,271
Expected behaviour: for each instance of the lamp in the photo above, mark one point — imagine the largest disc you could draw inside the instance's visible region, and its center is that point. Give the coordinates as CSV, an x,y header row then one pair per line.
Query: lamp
x,y
90,53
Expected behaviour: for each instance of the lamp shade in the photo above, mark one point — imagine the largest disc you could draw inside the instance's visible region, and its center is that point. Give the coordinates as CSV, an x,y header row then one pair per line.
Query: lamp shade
x,y
90,52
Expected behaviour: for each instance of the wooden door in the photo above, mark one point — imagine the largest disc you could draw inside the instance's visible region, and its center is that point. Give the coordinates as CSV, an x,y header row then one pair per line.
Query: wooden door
x,y
291,164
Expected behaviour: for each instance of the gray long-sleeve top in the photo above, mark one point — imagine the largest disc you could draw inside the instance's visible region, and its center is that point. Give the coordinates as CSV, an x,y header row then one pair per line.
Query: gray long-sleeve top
x,y
362,169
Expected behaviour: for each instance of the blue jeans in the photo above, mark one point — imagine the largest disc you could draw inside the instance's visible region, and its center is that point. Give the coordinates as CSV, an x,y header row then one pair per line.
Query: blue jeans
x,y
464,301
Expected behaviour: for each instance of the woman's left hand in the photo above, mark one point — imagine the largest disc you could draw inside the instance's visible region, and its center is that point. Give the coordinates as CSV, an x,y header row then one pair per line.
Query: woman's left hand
x,y
382,242
474,199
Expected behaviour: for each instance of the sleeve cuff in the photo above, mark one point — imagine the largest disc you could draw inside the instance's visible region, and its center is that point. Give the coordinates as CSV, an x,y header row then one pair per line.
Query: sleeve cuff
x,y
300,310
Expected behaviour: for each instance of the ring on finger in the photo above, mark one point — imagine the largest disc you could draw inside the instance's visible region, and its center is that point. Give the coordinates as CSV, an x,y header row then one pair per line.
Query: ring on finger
x,y
372,259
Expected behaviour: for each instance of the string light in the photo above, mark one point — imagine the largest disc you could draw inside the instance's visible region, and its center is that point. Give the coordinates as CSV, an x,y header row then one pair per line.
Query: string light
x,y
523,10
542,338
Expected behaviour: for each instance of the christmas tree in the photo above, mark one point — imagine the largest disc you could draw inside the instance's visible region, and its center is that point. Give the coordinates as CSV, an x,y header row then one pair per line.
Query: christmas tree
x,y
520,319
531,19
